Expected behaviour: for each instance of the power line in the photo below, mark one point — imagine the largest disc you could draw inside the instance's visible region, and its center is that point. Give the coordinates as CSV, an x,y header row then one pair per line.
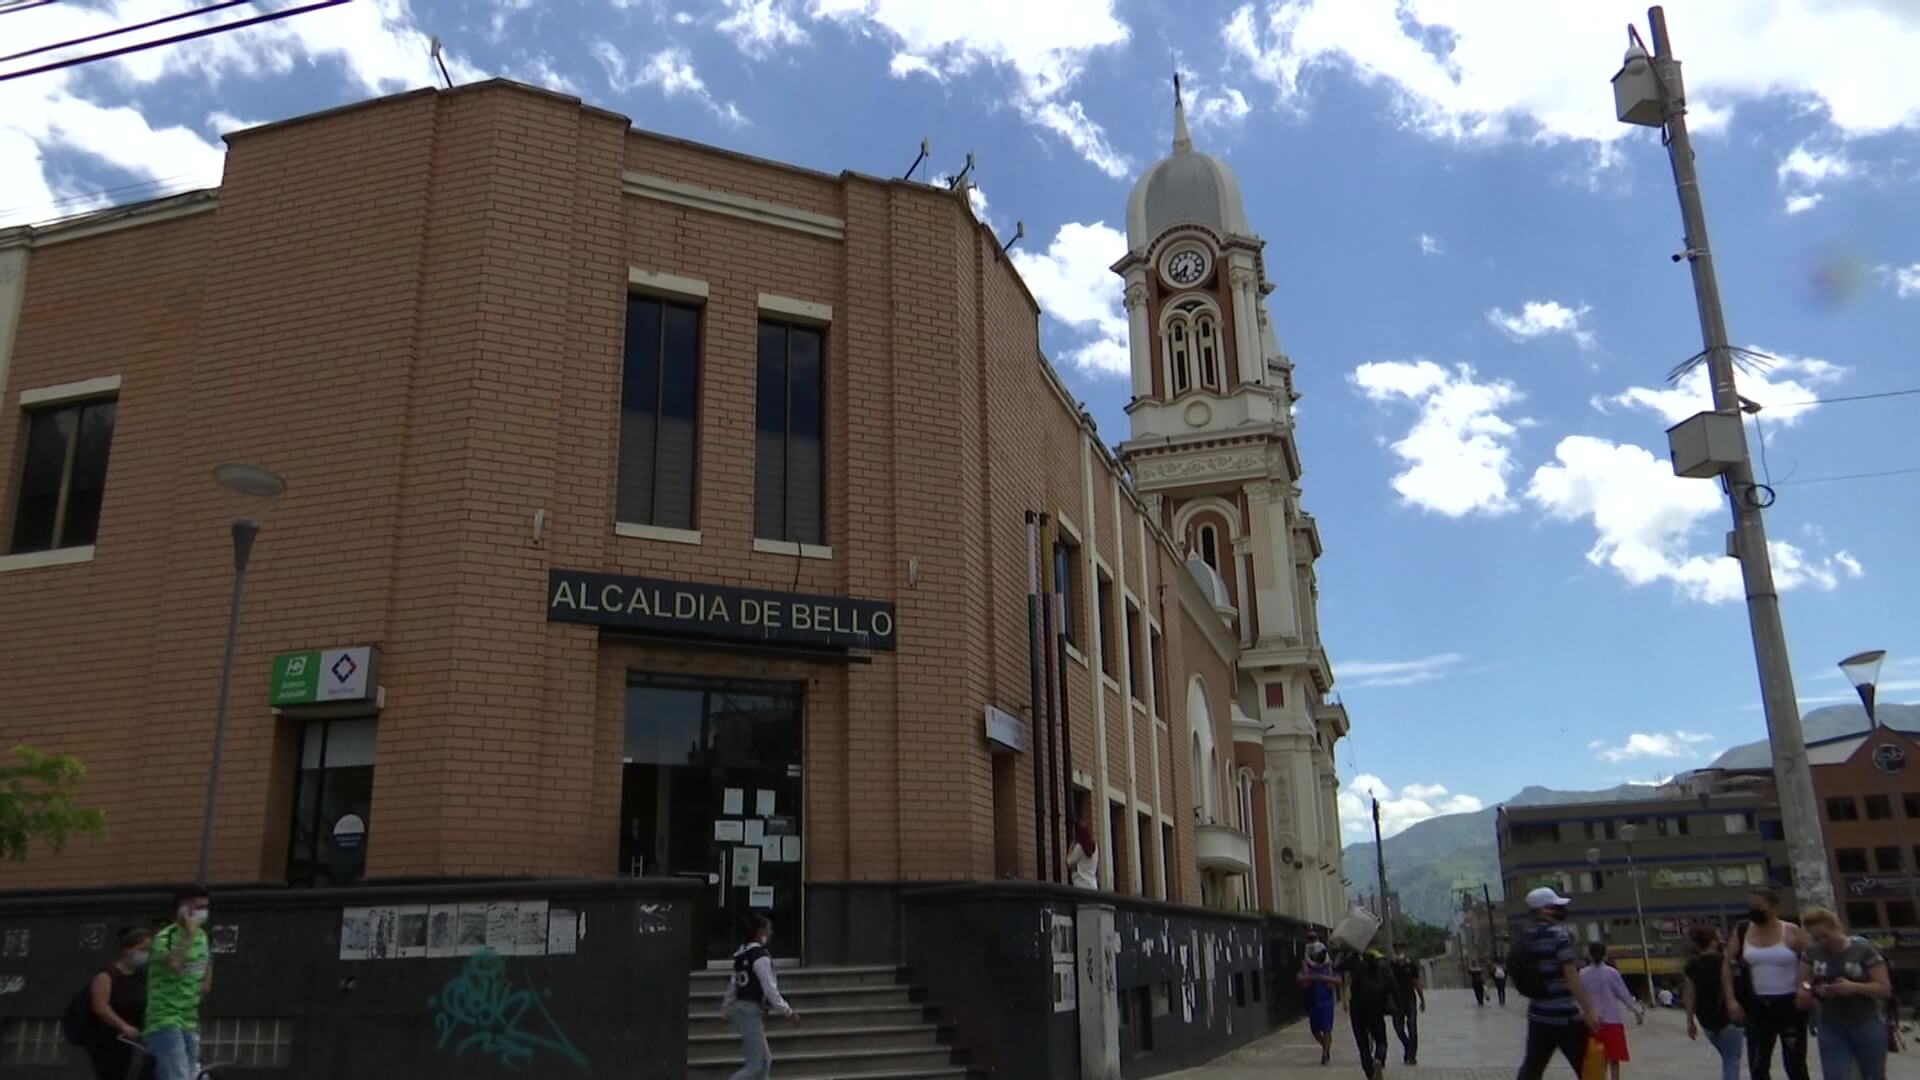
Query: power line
x,y
85,196
1838,400
128,29
22,5
188,36
1853,476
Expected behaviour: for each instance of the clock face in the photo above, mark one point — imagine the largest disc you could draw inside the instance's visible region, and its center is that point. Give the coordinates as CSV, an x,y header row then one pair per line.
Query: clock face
x,y
1186,267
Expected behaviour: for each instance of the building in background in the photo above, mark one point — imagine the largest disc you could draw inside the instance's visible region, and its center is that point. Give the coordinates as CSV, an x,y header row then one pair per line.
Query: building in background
x,y
1697,858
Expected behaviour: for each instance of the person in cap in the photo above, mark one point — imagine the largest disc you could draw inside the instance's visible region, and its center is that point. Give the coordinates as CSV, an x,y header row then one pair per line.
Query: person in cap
x,y
1559,1017
1322,981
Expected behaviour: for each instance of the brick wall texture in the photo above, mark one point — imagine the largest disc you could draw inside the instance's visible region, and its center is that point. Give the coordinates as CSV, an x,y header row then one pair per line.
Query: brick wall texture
x,y
414,310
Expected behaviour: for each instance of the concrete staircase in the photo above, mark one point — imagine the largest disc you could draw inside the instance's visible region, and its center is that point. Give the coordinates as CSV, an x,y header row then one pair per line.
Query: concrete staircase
x,y
856,1023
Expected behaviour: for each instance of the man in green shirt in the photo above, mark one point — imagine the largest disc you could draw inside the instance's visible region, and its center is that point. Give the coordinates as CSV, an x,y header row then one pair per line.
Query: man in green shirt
x,y
178,976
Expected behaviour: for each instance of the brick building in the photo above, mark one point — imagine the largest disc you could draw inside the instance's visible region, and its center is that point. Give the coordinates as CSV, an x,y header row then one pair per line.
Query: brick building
x,y
669,510
1871,820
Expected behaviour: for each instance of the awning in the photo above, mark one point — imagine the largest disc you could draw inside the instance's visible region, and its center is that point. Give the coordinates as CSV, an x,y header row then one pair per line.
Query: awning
x,y
1662,965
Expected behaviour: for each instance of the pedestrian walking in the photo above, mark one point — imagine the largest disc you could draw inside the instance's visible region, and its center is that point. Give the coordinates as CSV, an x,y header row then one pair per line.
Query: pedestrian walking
x,y
1477,975
1083,857
1762,984
1410,1000
1322,982
1370,995
1705,1000
753,994
1611,1001
179,975
1559,1016
1500,982
1851,984
107,1014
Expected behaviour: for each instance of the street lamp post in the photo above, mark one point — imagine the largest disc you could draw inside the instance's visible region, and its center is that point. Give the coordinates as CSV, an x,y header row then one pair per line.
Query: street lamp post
x,y
250,489
1627,833
1648,92
1863,671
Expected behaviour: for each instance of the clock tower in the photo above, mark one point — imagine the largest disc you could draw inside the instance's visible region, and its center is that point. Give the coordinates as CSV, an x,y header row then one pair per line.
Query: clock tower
x,y
1212,446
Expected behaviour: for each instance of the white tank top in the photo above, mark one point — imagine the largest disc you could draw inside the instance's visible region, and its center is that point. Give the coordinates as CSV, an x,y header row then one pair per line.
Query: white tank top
x,y
1776,968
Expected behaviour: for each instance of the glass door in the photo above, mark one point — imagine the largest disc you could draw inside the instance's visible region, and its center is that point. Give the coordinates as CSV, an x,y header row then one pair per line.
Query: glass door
x,y
711,790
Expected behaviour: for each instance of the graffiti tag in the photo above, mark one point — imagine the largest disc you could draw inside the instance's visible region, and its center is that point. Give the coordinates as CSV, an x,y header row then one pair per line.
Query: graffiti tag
x,y
481,1012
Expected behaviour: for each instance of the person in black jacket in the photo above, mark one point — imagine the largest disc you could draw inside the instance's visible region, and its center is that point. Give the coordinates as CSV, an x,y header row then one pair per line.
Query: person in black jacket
x,y
1409,1001
1370,992
117,1007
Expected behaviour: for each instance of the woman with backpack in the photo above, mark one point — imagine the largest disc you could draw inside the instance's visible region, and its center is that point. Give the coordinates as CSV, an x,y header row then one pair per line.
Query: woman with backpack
x,y
1706,1002
1762,985
106,1016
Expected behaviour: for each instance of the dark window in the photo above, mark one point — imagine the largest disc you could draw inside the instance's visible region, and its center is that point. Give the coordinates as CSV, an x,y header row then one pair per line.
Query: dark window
x,y
1673,826
331,800
1879,808
1117,826
1780,876
1134,686
1239,980
1911,803
1257,978
1842,808
1066,565
1107,646
1851,860
1136,1019
1886,860
1143,834
1159,674
1900,913
1166,860
659,394
790,463
1210,546
1600,830
63,476
1863,915
1772,829
1547,833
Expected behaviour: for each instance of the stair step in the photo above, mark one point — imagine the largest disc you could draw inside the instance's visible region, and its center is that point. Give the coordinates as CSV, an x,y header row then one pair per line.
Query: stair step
x,y
826,1065
804,1037
702,1003
842,1016
807,978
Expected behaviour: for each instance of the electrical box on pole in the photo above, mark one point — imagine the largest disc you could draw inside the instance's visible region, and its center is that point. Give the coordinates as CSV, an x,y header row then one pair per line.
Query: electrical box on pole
x,y
1636,90
1706,444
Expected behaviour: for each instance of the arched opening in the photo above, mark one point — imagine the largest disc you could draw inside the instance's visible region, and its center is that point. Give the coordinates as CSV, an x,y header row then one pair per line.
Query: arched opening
x,y
1210,547
1207,345
1177,352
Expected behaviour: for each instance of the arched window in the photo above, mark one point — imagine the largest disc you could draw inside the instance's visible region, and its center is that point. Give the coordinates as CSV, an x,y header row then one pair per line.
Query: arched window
x,y
1190,339
1246,801
1178,353
1210,546
1199,781
1206,341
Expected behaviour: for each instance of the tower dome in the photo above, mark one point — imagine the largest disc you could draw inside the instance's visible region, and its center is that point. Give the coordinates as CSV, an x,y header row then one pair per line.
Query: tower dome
x,y
1186,187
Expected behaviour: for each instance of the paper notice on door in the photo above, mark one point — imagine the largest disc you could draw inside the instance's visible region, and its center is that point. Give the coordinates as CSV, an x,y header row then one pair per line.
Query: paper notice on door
x,y
471,934
746,867
755,830
563,932
761,896
729,832
790,849
503,927
356,934
411,937
734,801
770,849
530,939
763,803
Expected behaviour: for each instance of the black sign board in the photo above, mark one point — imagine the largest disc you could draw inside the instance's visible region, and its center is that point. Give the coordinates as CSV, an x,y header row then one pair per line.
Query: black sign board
x,y
719,612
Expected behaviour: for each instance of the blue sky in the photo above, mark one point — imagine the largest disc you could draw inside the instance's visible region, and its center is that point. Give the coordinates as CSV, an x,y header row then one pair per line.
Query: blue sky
x,y
1471,269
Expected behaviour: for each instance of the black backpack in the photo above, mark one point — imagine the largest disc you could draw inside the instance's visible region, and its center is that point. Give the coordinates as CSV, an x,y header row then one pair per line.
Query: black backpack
x,y
1372,981
78,1025
1524,969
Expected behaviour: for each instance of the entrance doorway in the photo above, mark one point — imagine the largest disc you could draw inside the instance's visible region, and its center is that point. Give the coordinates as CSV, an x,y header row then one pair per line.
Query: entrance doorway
x,y
710,789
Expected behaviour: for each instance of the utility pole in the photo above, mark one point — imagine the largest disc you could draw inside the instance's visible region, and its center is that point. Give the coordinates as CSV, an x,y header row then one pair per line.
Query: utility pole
x,y
1805,846
1380,863
1493,938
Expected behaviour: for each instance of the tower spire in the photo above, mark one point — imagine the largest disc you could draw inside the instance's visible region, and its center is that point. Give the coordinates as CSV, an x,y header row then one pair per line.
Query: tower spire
x,y
1181,140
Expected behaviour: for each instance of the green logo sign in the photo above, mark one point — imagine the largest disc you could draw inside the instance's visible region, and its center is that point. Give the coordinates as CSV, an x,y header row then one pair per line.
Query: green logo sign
x,y
321,676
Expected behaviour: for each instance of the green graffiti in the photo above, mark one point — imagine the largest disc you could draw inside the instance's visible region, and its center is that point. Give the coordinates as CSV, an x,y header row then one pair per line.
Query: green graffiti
x,y
481,1012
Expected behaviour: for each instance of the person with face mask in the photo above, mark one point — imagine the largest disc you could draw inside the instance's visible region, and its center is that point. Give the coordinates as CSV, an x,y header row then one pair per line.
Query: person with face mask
x,y
1760,979
178,977
1410,1000
1559,1017
1323,986
1850,981
117,1004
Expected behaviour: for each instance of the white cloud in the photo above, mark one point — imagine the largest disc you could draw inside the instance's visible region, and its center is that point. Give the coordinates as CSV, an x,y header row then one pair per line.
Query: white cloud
x,y
670,71
760,27
1460,450
1645,519
1789,379
1483,69
1803,170
1074,286
1677,744
1412,805
1905,279
1538,318
1429,245
1069,120
1800,204
1360,673
1224,109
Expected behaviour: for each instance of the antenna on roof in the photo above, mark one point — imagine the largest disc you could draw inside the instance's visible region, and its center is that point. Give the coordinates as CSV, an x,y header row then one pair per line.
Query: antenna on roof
x,y
433,49
1019,231
926,144
954,182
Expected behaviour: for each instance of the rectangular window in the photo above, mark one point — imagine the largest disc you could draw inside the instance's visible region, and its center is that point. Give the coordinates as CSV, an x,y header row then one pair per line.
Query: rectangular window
x,y
1149,873
1851,860
248,1043
659,398
1066,564
1739,823
1134,686
1166,860
1548,833
331,800
1863,915
1842,808
1772,829
63,476
1886,860
790,460
32,1041
1878,808
1107,647
1600,830
1780,876
1911,804
1900,913
1117,825
1159,674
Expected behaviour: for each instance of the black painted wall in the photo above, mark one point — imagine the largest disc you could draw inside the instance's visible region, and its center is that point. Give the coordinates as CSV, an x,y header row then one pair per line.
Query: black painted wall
x,y
617,1007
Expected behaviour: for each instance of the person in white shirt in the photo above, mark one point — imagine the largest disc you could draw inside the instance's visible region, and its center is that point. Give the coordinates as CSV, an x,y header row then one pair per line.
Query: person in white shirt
x,y
752,994
1083,858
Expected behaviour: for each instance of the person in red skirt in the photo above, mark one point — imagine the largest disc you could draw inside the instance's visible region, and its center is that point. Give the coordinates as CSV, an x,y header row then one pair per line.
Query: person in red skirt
x,y
1611,1002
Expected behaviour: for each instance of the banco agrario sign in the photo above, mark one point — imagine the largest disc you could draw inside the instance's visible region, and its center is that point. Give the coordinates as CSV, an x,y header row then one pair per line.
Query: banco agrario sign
x,y
721,612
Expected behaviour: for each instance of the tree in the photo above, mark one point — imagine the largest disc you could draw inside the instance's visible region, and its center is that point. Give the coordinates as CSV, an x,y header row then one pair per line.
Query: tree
x,y
36,803
1423,940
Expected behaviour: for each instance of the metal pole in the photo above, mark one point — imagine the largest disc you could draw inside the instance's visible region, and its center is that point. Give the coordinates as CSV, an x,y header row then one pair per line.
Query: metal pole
x,y
1380,863
1033,699
1640,916
244,532
1805,845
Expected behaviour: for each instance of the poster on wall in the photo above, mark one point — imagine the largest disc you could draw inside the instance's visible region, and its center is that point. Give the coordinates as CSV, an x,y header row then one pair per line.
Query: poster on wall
x,y
734,801
530,937
746,867
1065,996
563,932
356,934
760,896
763,803
790,849
729,832
410,936
443,926
472,935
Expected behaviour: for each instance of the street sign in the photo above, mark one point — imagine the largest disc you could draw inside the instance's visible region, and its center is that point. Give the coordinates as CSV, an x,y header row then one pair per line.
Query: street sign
x,y
322,676
1889,759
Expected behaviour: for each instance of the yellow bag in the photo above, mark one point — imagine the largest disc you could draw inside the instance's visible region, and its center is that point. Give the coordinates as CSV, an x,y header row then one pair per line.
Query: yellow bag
x,y
1594,1065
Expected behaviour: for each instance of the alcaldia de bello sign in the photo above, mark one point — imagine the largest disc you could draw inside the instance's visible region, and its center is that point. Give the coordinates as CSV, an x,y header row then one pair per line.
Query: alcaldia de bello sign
x,y
718,612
